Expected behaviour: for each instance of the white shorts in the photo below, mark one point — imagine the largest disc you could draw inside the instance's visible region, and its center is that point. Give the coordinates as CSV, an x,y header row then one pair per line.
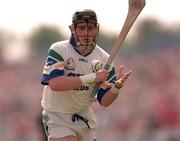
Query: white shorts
x,y
82,125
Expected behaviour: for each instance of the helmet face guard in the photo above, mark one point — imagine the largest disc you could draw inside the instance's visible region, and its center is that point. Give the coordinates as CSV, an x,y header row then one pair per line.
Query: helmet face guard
x,y
86,17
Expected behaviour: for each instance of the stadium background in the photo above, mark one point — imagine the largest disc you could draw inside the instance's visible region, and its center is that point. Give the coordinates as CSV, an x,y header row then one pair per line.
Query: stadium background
x,y
148,107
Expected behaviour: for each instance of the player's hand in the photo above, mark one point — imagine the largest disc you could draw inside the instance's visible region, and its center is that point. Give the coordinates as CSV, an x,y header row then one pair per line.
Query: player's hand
x,y
122,77
101,76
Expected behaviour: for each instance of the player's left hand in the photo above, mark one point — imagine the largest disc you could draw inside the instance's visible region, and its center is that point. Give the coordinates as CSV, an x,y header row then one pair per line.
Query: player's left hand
x,y
122,77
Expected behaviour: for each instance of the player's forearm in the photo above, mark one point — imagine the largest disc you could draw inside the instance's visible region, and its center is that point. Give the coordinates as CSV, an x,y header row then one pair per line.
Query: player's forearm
x,y
64,83
108,98
111,95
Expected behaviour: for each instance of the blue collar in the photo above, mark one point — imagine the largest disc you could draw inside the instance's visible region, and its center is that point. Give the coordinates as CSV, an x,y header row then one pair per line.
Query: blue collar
x,y
72,40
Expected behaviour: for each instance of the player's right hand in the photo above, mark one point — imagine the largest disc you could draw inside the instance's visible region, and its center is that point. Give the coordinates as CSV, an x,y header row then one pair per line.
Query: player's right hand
x,y
101,76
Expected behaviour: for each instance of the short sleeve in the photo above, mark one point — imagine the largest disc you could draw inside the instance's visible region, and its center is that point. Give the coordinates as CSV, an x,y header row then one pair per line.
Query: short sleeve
x,y
54,66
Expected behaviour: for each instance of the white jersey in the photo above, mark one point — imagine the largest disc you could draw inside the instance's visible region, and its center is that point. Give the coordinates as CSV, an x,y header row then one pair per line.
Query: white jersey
x,y
64,60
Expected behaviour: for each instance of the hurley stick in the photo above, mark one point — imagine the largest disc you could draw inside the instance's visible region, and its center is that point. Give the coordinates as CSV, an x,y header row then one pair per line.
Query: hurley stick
x,y
135,8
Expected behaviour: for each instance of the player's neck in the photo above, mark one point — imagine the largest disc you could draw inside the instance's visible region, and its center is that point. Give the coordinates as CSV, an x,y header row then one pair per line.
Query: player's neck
x,y
83,51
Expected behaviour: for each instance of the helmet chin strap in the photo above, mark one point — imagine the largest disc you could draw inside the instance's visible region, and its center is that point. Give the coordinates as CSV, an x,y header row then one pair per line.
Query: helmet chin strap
x,y
84,48
85,45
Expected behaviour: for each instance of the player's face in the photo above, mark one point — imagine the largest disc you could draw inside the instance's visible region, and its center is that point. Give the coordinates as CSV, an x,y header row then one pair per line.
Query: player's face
x,y
86,32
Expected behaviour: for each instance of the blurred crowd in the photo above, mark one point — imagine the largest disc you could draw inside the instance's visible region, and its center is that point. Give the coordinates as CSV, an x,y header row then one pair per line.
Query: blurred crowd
x,y
148,107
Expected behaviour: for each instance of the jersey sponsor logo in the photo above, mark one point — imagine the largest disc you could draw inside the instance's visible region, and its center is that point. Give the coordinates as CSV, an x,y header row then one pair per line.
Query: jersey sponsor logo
x,y
83,60
70,64
83,87
74,74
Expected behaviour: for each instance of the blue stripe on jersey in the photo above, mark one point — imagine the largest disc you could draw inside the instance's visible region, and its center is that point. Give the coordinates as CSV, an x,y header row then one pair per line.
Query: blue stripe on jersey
x,y
53,74
50,61
102,92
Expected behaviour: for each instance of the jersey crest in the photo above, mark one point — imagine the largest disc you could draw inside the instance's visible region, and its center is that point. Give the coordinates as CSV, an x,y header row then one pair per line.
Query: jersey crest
x,y
70,64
